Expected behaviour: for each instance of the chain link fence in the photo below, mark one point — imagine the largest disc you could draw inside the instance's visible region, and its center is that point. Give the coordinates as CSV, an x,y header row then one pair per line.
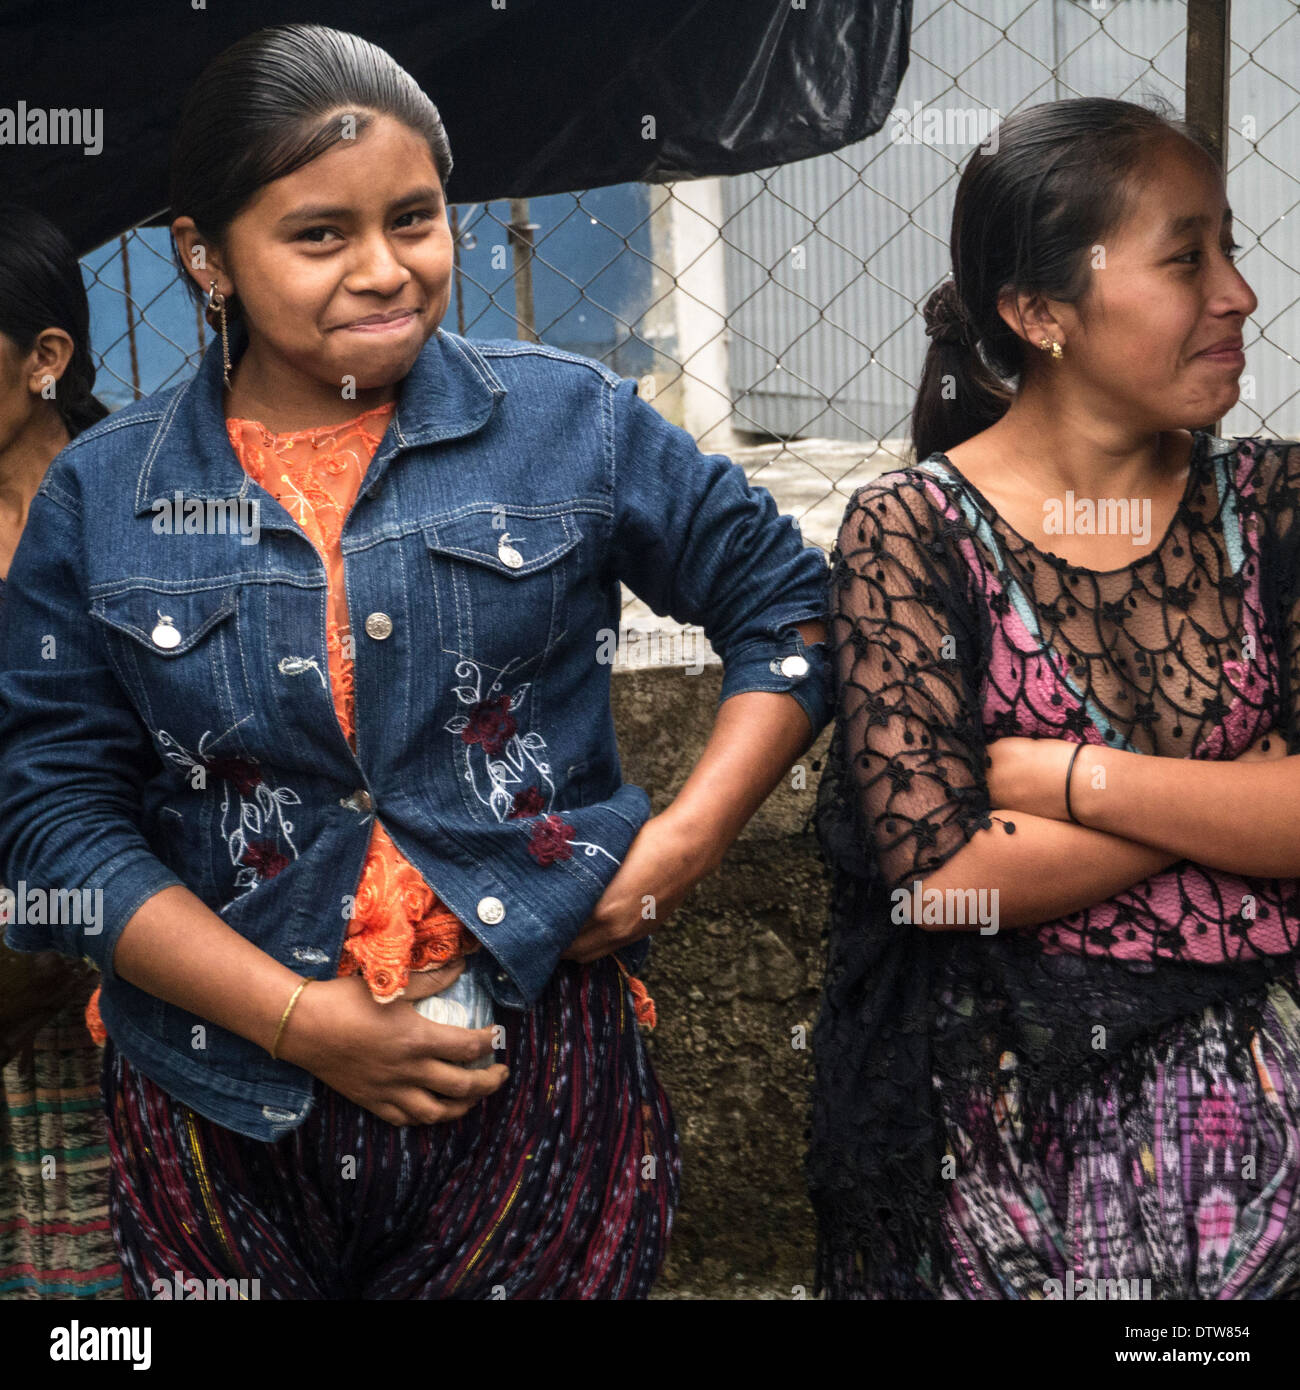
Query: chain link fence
x,y
775,315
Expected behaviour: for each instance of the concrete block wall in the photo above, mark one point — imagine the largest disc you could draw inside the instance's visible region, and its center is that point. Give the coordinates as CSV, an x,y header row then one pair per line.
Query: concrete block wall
x,y
734,973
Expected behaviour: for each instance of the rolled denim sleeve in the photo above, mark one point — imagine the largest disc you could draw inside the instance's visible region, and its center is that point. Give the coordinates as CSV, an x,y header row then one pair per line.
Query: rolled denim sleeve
x,y
698,543
73,753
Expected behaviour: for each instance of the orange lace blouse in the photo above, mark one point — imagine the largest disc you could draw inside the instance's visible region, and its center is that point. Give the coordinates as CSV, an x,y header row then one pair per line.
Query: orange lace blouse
x,y
398,924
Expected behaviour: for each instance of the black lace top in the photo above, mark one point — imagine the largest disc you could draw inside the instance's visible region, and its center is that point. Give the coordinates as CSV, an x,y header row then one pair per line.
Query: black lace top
x,y
951,630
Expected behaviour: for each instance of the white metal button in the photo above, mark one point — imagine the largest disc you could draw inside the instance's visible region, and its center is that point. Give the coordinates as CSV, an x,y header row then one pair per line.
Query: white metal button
x,y
794,666
361,800
507,553
165,634
491,910
379,626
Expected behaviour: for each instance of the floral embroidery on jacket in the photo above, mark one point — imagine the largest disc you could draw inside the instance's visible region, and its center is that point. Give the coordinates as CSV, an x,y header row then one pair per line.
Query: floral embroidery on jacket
x,y
490,725
549,840
259,812
253,819
528,802
264,859
243,774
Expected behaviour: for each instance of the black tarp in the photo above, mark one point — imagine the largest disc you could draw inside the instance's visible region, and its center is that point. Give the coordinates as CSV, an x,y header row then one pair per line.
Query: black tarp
x,y
540,96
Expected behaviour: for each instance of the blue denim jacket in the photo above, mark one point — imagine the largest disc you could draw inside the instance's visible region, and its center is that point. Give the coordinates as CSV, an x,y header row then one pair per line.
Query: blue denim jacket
x,y
185,732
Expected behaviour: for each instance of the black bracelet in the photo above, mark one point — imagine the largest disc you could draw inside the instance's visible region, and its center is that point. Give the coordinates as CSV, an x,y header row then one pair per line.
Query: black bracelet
x,y
1069,772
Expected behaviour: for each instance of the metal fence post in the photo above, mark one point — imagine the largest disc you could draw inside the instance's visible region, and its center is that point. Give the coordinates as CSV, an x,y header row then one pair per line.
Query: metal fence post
x,y
454,218
1207,70
1206,80
521,238
124,246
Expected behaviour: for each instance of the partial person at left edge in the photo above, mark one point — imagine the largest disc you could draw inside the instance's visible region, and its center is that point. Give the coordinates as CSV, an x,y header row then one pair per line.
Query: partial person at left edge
x,y
55,1240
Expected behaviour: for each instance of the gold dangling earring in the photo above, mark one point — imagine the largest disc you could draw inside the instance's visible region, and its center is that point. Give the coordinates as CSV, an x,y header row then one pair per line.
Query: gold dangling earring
x,y
1057,351
217,304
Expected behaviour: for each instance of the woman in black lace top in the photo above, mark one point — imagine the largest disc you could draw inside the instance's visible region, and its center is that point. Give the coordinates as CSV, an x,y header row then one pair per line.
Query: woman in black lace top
x,y
1059,1052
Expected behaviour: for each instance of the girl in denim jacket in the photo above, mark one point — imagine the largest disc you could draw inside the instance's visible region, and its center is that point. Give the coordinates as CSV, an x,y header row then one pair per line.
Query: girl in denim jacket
x,y
240,747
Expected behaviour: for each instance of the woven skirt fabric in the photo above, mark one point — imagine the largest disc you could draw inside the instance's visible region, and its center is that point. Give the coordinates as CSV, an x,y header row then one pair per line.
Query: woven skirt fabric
x,y
562,1184
1191,1193
55,1239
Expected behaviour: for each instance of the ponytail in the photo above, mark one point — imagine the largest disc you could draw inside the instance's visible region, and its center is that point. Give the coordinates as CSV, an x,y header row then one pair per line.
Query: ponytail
x,y
74,396
958,395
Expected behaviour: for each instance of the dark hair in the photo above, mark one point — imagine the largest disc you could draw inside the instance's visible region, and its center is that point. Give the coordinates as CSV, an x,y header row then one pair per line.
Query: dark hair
x,y
257,113
1054,181
40,288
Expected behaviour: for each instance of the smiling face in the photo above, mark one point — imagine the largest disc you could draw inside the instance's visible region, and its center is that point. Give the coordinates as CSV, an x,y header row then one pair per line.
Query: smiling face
x,y
1156,340
342,268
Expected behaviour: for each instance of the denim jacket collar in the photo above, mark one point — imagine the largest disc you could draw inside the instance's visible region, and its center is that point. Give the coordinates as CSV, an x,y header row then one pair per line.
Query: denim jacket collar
x,y
449,393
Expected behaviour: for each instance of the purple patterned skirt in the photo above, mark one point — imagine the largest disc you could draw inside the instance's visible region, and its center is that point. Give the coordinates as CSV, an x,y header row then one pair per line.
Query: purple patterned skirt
x,y
1193,1194
562,1184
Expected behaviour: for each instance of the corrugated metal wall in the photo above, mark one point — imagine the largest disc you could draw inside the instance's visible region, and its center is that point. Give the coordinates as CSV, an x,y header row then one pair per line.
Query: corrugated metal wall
x,y
829,259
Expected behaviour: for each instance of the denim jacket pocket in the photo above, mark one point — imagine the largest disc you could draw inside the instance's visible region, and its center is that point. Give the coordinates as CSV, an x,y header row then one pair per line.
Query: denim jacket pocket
x,y
178,657
500,577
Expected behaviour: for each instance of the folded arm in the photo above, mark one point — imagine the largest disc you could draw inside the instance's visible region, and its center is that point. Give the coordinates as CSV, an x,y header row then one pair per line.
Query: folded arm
x,y
1243,818
1043,870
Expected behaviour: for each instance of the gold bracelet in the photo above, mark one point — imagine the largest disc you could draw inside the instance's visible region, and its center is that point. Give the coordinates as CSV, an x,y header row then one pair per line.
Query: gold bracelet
x,y
288,1008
